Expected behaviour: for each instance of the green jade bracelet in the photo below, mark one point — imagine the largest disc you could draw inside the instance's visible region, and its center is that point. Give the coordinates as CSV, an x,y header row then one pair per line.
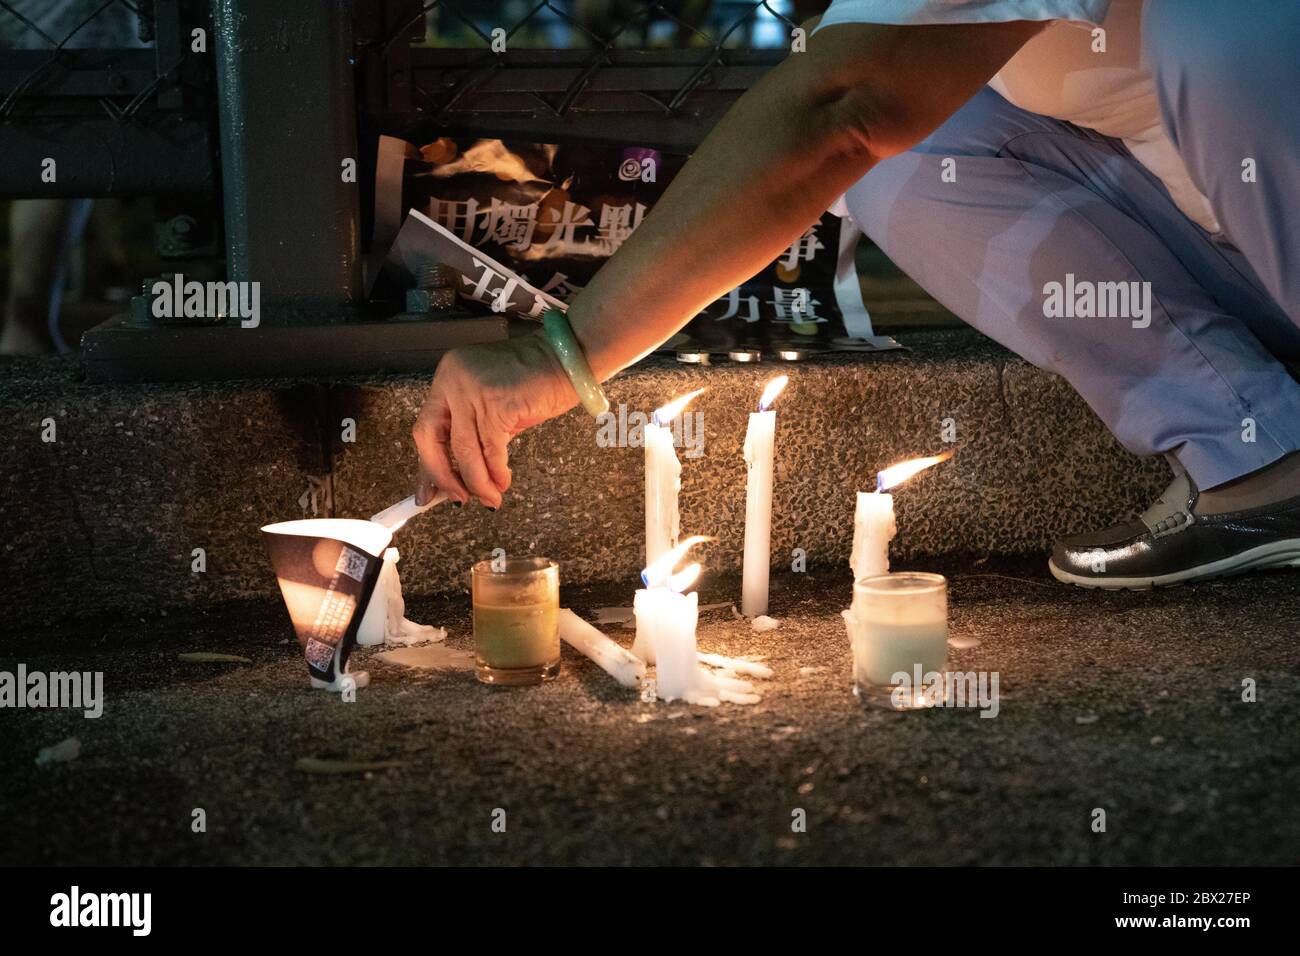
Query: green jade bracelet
x,y
559,336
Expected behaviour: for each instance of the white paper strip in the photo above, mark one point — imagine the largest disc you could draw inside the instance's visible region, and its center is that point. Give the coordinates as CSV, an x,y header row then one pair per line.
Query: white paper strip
x,y
848,289
394,516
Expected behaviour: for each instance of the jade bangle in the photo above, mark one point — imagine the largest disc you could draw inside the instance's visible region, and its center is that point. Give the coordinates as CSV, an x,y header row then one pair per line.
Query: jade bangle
x,y
559,336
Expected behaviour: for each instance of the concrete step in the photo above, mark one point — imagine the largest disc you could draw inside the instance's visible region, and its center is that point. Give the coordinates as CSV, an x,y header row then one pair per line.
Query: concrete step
x,y
110,515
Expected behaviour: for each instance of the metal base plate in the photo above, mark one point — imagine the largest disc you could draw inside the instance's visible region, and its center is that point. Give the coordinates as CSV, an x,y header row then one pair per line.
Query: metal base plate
x,y
117,351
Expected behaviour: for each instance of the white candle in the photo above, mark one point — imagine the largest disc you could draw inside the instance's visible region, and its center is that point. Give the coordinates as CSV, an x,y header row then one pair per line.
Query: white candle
x,y
658,576
665,635
384,621
615,660
394,516
873,529
665,620
663,480
760,440
873,518
374,623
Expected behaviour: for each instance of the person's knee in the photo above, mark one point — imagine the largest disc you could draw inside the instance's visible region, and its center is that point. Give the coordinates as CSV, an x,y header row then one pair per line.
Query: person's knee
x,y
981,127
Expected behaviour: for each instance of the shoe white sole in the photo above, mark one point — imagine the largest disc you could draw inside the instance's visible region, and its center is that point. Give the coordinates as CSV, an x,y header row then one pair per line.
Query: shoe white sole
x,y
1276,554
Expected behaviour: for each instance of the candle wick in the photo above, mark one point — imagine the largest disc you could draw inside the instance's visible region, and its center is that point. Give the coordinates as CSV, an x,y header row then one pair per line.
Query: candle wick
x,y
880,483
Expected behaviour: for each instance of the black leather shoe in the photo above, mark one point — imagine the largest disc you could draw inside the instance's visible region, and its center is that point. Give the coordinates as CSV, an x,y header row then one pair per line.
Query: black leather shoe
x,y
1170,544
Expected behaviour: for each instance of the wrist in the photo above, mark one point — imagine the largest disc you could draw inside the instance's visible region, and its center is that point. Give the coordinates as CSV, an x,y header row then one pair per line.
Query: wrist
x,y
558,338
537,354
587,339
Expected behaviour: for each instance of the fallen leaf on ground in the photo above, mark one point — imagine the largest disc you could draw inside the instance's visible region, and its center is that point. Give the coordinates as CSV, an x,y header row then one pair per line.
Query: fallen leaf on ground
x,y
206,657
325,765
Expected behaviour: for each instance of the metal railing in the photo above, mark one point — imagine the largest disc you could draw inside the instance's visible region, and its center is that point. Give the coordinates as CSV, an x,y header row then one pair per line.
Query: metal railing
x,y
269,97
101,97
651,72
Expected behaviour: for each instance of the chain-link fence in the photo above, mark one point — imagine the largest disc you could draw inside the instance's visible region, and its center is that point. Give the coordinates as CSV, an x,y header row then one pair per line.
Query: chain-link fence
x,y
120,89
606,24
100,96
654,71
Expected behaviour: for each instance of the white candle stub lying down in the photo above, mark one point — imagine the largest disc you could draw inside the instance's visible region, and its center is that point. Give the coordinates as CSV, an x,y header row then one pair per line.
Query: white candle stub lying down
x,y
620,663
385,619
665,636
629,669
736,665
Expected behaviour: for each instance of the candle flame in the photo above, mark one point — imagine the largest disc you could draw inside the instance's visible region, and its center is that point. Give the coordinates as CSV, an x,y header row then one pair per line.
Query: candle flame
x,y
659,572
897,474
774,388
663,416
684,578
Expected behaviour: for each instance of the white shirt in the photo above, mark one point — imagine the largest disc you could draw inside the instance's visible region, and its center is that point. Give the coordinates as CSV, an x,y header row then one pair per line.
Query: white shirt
x,y
1058,73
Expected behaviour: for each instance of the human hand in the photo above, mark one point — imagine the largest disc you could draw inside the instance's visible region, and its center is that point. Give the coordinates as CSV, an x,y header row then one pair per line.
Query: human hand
x,y
482,396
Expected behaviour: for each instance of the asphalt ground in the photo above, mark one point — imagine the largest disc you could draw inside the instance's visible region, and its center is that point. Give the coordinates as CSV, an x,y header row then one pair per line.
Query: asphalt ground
x,y
1130,703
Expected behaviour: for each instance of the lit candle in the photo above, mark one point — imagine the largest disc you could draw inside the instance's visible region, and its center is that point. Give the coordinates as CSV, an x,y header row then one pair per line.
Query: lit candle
x,y
614,659
663,480
665,635
873,519
759,449
658,577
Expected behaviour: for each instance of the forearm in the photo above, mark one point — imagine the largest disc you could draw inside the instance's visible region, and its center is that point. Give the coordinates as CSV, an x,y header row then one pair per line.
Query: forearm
x,y
789,147
768,169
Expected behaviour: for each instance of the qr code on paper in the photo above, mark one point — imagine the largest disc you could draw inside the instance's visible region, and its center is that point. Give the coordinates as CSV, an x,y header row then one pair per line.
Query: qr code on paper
x,y
352,563
319,655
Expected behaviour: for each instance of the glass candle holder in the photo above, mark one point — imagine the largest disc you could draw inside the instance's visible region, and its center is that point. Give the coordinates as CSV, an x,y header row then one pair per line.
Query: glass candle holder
x,y
898,629
516,620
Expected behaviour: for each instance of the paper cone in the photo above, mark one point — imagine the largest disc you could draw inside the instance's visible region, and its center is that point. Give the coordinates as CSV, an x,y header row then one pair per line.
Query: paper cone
x,y
327,569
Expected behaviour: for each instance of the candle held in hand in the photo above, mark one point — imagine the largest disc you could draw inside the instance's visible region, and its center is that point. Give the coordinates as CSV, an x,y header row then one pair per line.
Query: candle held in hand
x,y
760,442
663,480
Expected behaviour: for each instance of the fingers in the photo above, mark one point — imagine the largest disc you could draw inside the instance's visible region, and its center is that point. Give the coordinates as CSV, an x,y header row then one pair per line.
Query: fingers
x,y
467,447
431,434
497,458
425,488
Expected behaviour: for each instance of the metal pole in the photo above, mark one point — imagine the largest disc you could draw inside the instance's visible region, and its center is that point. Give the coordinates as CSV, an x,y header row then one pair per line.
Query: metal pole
x,y
288,123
